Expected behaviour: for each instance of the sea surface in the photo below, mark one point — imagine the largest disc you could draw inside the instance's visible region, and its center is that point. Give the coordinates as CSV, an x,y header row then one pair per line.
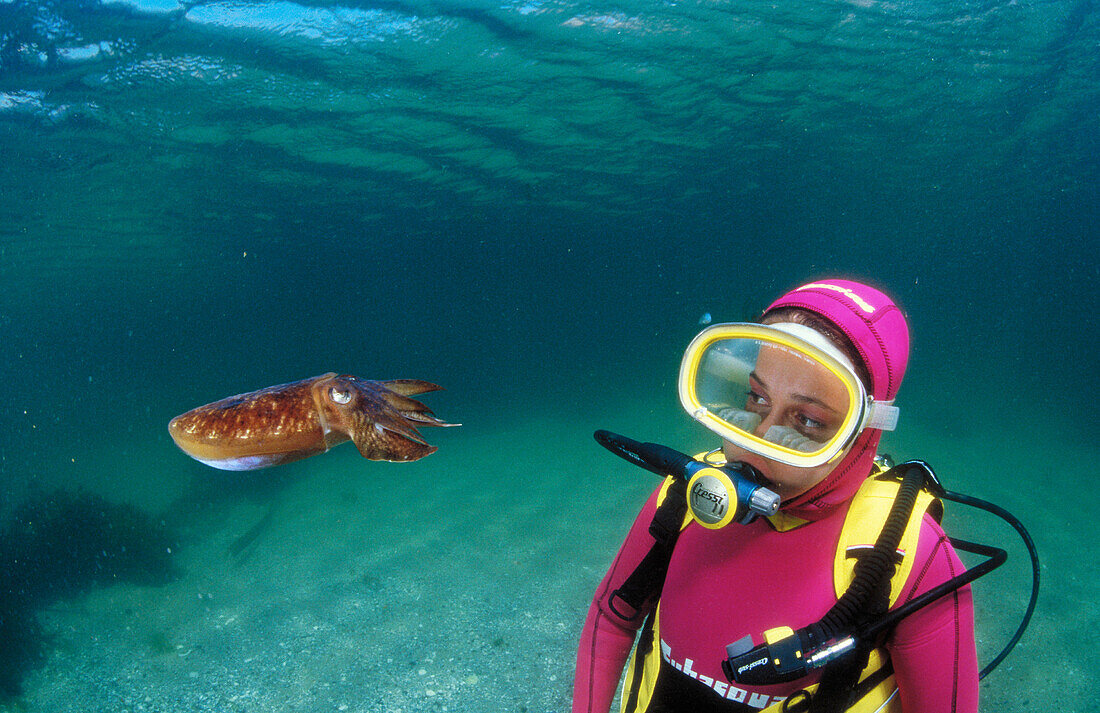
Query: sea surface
x,y
535,204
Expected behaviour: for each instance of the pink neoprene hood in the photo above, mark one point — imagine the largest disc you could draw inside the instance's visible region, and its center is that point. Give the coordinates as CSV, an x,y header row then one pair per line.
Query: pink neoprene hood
x,y
871,319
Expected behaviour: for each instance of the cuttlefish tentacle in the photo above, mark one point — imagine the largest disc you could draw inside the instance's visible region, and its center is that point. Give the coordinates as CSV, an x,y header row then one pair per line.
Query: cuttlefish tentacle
x,y
291,421
410,387
392,428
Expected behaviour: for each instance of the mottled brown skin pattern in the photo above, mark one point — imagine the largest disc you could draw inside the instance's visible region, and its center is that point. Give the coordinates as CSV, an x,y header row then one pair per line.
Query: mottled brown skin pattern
x,y
296,420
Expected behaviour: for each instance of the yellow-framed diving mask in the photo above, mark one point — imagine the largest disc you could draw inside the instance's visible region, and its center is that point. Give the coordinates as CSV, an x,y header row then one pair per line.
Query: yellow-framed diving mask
x,y
783,391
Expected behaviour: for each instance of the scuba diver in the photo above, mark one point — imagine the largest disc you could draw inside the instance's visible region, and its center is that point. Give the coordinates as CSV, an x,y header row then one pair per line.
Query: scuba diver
x,y
800,401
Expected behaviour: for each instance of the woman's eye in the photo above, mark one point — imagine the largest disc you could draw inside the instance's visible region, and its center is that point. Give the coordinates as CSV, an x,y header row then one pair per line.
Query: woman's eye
x,y
755,398
810,423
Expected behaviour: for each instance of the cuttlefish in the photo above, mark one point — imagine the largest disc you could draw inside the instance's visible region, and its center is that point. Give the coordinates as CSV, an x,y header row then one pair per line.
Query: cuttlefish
x,y
292,421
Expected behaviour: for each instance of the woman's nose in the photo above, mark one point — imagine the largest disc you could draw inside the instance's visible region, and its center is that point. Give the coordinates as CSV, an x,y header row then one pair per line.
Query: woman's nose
x,y
765,423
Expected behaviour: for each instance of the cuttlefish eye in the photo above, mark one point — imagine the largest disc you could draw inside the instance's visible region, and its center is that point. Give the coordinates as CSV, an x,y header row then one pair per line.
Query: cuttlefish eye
x,y
339,396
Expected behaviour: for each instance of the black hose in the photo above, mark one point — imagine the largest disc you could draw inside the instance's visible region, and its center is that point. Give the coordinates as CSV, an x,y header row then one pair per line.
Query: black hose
x,y
1032,552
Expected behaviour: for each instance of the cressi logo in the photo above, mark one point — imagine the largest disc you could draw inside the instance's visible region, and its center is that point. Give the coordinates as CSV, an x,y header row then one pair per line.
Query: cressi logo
x,y
753,664
717,500
860,302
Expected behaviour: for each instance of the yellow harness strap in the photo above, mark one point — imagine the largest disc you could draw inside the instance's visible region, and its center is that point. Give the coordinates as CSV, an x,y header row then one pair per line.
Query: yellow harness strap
x,y
865,519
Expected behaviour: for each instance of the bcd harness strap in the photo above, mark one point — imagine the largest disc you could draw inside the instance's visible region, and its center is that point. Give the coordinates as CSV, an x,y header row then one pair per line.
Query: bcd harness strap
x,y
869,579
864,521
648,578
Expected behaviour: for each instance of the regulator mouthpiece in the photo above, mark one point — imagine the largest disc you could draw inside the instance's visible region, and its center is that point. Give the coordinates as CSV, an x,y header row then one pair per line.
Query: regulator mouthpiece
x,y
717,494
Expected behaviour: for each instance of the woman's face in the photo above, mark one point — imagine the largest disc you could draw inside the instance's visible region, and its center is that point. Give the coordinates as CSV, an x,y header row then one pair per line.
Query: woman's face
x,y
799,398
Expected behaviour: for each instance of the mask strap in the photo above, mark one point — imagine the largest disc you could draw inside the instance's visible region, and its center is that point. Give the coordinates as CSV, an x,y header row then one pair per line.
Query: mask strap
x,y
883,416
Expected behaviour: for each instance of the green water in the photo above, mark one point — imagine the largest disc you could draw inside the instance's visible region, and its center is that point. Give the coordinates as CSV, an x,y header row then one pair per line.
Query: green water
x,y
532,204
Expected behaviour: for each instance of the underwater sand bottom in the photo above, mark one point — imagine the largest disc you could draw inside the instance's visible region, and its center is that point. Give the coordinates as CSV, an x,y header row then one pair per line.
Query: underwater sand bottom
x,y
458,583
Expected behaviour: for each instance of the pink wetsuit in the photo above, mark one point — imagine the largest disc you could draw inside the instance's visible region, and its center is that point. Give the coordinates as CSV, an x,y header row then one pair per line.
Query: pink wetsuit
x,y
743,580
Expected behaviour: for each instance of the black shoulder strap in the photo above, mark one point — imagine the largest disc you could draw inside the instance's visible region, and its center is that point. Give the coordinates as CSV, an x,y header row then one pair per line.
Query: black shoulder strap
x,y
647,580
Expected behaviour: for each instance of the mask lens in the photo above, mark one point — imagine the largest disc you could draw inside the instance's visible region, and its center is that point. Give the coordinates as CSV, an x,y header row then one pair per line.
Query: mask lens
x,y
773,394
